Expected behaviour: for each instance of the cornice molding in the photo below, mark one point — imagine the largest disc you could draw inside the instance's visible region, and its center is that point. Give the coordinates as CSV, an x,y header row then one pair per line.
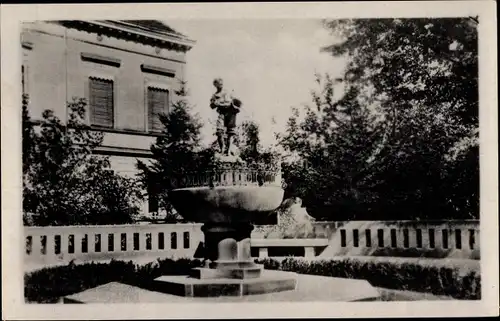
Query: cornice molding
x,y
158,70
127,32
110,61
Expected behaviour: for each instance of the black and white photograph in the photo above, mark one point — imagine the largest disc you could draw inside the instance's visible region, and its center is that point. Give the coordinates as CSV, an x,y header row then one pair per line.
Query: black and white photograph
x,y
193,158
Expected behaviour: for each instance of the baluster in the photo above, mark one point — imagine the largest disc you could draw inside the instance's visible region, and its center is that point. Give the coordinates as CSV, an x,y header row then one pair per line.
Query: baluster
x,y
154,240
104,242
77,243
412,234
143,241
130,241
64,244
116,242
50,249
36,248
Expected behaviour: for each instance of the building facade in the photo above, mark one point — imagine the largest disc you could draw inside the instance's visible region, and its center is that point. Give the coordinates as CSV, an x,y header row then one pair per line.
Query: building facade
x,y
127,70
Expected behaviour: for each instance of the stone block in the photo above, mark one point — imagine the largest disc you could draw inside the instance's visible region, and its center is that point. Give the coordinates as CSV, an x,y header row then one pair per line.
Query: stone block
x,y
229,273
220,286
269,286
244,273
215,289
204,273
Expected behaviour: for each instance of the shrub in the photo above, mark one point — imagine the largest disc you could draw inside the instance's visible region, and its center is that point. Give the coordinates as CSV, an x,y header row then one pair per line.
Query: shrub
x,y
48,285
459,279
64,181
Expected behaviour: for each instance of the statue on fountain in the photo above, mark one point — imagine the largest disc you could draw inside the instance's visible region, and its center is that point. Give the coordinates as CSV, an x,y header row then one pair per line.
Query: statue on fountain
x,y
227,107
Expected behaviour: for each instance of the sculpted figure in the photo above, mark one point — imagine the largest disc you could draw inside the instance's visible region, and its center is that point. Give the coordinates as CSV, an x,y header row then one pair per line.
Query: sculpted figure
x,y
227,107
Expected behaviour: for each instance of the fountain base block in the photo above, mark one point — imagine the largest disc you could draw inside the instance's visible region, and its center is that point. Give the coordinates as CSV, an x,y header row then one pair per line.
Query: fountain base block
x,y
227,273
205,283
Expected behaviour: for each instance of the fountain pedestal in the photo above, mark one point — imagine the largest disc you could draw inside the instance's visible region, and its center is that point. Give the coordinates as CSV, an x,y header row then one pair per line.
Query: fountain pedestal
x,y
230,271
228,252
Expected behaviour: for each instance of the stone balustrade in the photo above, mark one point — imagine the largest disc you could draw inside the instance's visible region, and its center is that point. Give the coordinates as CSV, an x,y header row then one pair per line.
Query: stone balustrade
x,y
376,237
60,244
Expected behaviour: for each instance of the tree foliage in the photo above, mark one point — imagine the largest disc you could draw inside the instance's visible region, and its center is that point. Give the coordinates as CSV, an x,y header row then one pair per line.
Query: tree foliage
x,y
251,150
177,152
402,140
335,144
64,183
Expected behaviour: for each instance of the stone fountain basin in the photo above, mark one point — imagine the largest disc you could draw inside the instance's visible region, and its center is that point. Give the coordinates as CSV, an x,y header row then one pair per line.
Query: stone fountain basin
x,y
226,204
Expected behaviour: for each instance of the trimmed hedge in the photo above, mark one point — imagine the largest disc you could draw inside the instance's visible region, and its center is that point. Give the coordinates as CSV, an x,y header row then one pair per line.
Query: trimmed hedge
x,y
48,285
459,279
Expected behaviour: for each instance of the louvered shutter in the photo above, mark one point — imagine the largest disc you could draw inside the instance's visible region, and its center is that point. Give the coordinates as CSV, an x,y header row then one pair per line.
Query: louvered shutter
x,y
101,102
157,104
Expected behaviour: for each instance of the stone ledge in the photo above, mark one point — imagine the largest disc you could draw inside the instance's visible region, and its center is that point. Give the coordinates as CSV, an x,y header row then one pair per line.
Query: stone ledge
x,y
309,288
213,287
229,273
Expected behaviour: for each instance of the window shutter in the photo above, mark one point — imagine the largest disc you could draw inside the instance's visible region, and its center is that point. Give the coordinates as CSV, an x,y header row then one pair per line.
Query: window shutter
x,y
101,102
157,103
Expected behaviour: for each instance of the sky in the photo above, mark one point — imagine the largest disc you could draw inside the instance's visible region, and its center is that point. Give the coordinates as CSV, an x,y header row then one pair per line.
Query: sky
x,y
269,64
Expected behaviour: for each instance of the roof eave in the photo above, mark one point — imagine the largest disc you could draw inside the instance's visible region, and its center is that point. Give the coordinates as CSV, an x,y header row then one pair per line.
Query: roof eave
x,y
166,36
132,34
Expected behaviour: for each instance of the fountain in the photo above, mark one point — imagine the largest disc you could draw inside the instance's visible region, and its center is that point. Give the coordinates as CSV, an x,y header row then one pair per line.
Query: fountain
x,y
227,201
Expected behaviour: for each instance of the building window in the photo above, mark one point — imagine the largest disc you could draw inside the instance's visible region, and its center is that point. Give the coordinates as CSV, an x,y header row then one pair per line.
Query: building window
x,y
101,102
158,103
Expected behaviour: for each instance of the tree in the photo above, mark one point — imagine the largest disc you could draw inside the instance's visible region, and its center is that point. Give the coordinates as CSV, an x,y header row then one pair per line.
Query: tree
x,y
335,145
251,150
430,63
177,152
64,183
414,152
422,74
248,140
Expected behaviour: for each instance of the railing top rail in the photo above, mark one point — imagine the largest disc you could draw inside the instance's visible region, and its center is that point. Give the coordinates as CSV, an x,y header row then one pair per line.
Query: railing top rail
x,y
466,221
